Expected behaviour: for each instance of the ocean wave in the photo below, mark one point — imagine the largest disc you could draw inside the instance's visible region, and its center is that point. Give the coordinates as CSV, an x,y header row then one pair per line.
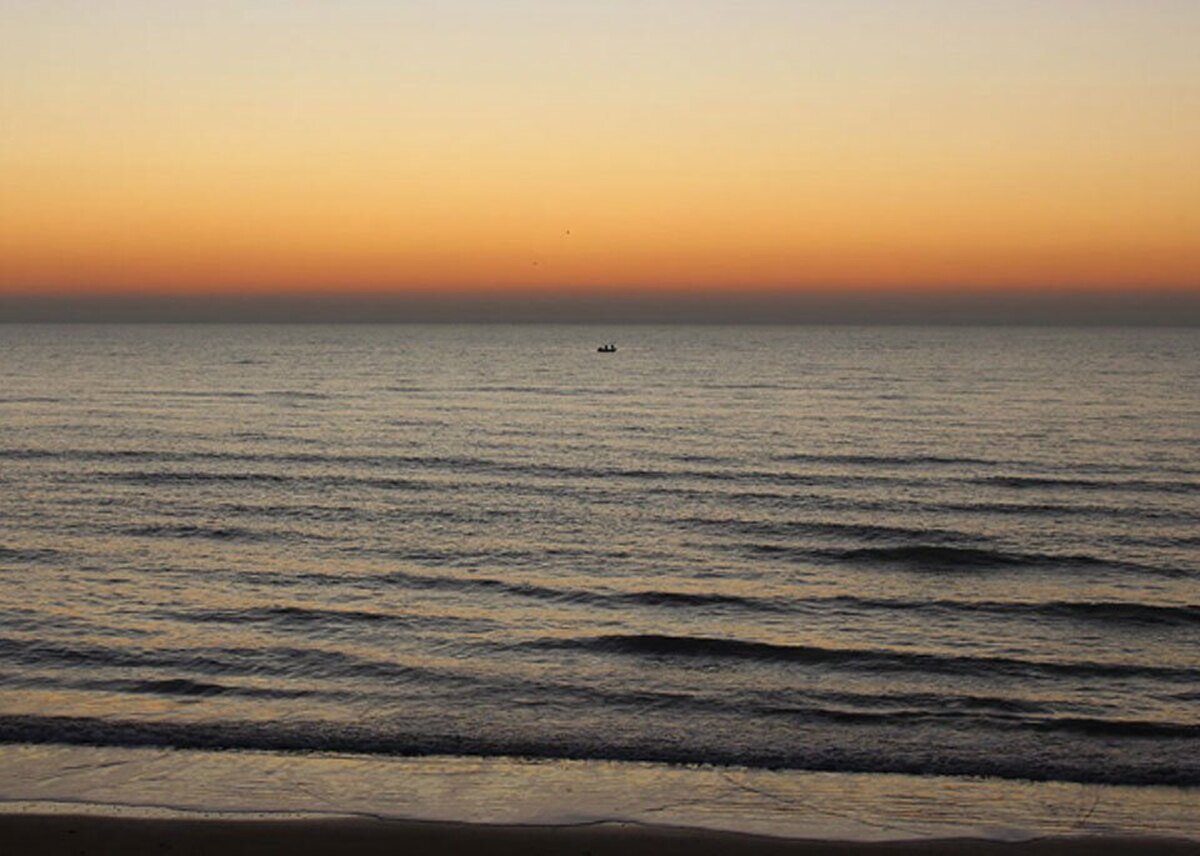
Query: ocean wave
x,y
169,687
835,753
1069,478
1095,727
1085,726
1126,613
295,662
398,471
889,709
1137,510
281,394
185,477
1180,615
1108,612
279,660
663,598
928,459
943,557
172,686
456,463
951,558
188,530
832,528
324,618
889,460
861,659
947,557
1138,485
31,555
566,595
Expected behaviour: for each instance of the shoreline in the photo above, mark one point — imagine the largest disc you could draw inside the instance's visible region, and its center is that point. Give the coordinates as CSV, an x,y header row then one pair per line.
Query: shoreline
x,y
138,784
54,834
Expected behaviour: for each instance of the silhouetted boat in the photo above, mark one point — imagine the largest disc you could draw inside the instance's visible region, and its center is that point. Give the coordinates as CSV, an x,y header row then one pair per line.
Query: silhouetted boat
x,y
610,348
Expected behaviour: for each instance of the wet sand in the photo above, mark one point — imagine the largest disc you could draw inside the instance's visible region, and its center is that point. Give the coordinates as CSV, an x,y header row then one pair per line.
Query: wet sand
x,y
66,835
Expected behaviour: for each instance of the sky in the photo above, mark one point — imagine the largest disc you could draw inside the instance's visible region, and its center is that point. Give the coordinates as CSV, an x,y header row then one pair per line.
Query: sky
x,y
543,149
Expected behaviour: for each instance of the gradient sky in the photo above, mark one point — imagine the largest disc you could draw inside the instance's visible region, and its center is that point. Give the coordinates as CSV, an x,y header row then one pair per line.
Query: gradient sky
x,y
559,145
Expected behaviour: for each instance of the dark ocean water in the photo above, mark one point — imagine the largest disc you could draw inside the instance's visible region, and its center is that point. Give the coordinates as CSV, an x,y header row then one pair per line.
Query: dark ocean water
x,y
961,551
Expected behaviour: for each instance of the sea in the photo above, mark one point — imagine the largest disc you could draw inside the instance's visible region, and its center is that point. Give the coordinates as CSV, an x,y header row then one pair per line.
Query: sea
x,y
884,572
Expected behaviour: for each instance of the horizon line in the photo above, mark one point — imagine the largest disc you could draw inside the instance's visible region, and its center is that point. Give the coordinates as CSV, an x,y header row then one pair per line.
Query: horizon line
x,y
879,307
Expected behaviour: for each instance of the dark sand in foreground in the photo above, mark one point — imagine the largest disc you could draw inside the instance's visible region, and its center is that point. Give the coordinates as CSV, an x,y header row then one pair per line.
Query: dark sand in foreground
x,y
52,835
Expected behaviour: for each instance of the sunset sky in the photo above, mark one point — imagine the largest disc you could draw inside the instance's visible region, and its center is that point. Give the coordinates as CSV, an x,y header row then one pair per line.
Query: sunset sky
x,y
552,146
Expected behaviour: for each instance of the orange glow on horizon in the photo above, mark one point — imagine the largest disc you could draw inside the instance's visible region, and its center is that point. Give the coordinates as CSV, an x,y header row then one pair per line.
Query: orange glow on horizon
x,y
328,158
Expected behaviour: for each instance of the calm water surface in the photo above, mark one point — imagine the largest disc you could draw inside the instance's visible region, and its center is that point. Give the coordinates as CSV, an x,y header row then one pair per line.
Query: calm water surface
x,y
921,551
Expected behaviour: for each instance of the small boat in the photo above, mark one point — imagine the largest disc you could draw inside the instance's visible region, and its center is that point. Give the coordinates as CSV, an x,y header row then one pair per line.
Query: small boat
x,y
610,348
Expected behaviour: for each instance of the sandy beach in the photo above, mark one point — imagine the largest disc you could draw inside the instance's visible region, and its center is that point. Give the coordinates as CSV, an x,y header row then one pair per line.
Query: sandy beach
x,y
52,835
